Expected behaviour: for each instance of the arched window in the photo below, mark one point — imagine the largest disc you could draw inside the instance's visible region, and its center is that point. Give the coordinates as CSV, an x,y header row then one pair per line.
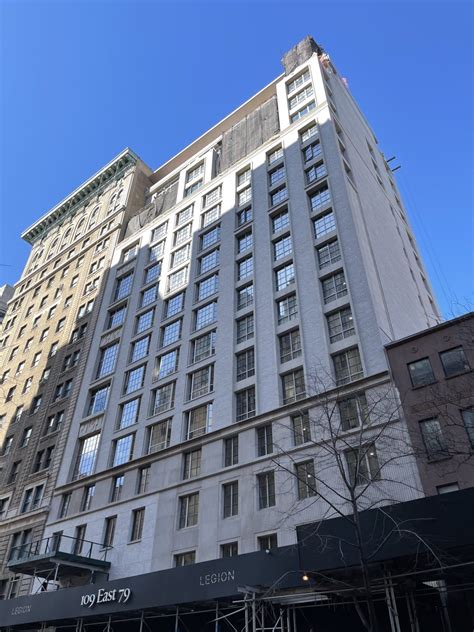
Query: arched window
x,y
94,215
80,227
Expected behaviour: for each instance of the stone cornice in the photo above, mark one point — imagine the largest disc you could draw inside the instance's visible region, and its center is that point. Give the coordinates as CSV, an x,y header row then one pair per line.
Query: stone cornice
x,y
127,158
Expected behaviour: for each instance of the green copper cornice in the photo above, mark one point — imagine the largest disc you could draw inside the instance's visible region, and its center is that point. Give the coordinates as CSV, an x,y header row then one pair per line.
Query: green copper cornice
x,y
127,158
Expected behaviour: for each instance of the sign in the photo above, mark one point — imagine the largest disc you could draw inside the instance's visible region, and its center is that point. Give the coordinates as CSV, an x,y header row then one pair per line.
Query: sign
x,y
119,595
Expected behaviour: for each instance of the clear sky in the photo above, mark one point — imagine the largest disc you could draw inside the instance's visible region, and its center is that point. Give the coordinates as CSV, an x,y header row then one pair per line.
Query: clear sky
x,y
80,80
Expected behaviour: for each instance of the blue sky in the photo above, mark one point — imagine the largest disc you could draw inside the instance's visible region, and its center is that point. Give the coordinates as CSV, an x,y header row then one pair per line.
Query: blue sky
x,y
81,80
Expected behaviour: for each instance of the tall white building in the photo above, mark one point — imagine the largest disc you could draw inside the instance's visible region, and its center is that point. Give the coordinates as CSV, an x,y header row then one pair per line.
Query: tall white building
x,y
271,263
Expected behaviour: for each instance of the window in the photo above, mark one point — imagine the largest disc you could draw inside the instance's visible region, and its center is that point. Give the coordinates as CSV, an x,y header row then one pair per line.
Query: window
x,y
276,175
284,277
98,400
210,216
308,133
123,286
198,421
116,316
212,196
109,531
468,419
229,549
454,361
204,346
315,172
340,325
76,335
143,478
107,359
201,382
287,309
159,231
117,487
180,256
210,237
267,542
274,155
86,455
303,112
36,404
209,261
300,97
244,196
18,413
245,328
334,287
324,224
306,480
243,177
123,450
363,464
14,472
245,404
230,493
448,488
244,216
28,344
264,440
301,428
185,215
156,251
433,439
231,451
329,254
140,348
134,379
144,321
421,372
74,280
192,463
319,199
85,309
245,296
290,346
148,296
10,394
282,248
278,196
64,506
195,172
266,490
152,273
244,241
163,398
185,559
129,253
138,518
27,385
353,411
280,221
312,151
188,510
245,364
207,287
50,315
128,413
7,446
62,390
171,333
26,437
54,422
19,545
298,81
347,366
158,436
182,234
174,305
87,497
166,364
204,316
245,268
293,386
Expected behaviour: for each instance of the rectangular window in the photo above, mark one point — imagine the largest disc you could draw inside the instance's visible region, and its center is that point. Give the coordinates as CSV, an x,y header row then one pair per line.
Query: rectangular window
x,y
231,451
245,268
188,511
152,273
353,411
230,493
293,386
98,400
245,296
329,254
128,413
171,333
278,196
140,348
264,440
245,364
86,456
312,151
340,325
138,518
64,506
210,216
334,287
347,366
201,382
144,321
363,464
130,253
308,133
433,439
212,196
143,478
421,372
210,237
324,224
163,398
468,419
207,287
209,261
87,497
123,450
116,316
245,404
306,480
180,256
284,277
166,364
301,428
274,155
276,175
134,379
244,196
282,248
156,251
266,490
185,215
158,436
107,359
117,487
245,328
195,172
287,309
185,559
123,286
267,542
229,549
191,464
315,172
182,234
109,531
298,81
204,316
290,346
148,296
244,241
320,198
244,216
454,362
159,231
192,188
280,221
303,112
198,421
204,346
